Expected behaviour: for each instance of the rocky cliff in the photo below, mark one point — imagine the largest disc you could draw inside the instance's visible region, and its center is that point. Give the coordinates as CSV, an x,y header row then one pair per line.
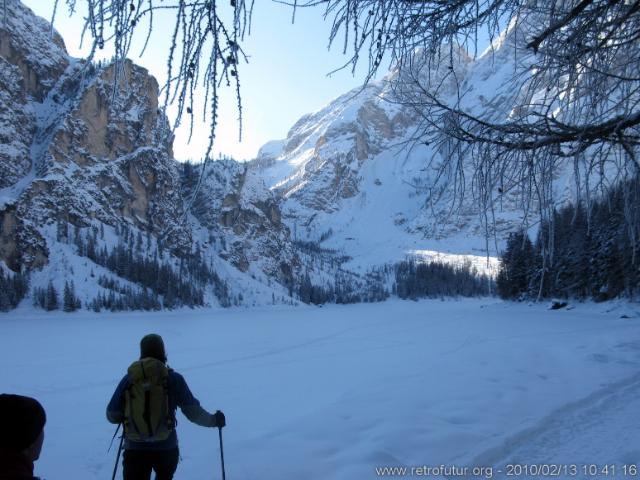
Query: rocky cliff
x,y
81,153
243,219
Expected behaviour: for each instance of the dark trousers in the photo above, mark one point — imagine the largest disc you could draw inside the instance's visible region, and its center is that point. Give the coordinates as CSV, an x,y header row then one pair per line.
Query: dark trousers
x,y
137,464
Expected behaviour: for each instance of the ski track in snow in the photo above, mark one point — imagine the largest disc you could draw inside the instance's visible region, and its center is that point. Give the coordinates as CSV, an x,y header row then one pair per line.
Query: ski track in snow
x,y
573,434
272,352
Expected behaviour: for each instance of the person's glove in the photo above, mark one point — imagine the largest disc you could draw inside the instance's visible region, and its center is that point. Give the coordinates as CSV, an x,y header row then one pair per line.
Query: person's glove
x,y
218,420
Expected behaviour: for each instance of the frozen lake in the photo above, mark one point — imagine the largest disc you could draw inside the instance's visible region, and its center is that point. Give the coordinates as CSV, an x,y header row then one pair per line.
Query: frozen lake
x,y
339,391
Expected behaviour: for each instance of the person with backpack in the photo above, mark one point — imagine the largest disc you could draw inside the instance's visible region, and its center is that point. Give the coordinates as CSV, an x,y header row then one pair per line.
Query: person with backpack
x,y
22,422
145,401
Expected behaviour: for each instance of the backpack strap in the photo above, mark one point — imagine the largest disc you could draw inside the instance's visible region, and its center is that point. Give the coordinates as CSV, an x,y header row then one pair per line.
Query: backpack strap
x,y
171,415
129,424
146,415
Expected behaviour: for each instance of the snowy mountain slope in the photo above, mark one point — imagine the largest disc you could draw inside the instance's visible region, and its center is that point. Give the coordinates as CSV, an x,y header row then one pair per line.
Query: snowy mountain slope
x,y
352,177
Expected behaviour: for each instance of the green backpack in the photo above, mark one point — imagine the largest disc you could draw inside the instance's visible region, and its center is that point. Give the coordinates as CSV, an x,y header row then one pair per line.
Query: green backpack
x,y
146,410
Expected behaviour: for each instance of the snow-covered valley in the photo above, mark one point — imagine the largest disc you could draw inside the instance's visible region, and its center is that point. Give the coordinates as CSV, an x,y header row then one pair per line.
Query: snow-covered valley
x,y
366,201
335,392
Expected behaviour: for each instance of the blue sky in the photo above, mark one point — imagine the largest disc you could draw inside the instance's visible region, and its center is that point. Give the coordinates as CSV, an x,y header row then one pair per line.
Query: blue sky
x,y
286,76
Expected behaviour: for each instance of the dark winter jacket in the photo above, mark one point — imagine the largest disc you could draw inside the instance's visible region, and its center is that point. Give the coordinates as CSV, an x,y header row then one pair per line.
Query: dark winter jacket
x,y
15,466
179,396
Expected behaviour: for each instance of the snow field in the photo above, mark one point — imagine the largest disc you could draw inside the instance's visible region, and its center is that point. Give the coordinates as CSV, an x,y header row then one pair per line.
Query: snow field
x,y
335,392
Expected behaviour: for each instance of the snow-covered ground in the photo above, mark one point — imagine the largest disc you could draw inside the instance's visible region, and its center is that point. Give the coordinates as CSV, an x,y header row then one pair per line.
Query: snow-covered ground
x,y
334,392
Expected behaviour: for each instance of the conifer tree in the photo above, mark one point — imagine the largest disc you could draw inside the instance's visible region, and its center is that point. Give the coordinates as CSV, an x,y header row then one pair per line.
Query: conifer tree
x,y
5,301
51,302
71,303
515,266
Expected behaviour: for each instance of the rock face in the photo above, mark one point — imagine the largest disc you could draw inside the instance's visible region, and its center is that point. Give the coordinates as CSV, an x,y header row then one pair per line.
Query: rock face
x,y
78,153
111,158
28,43
97,154
32,58
16,126
318,164
236,207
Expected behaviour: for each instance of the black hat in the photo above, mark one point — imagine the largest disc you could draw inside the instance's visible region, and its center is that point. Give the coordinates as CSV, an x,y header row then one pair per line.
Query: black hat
x,y
152,346
21,421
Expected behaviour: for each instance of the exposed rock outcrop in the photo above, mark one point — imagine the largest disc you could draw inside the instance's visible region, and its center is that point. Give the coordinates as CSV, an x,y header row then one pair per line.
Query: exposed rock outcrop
x,y
77,152
101,155
244,216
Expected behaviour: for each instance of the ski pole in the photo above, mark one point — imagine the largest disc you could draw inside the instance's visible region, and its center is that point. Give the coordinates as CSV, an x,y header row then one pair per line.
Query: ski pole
x,y
115,467
221,452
